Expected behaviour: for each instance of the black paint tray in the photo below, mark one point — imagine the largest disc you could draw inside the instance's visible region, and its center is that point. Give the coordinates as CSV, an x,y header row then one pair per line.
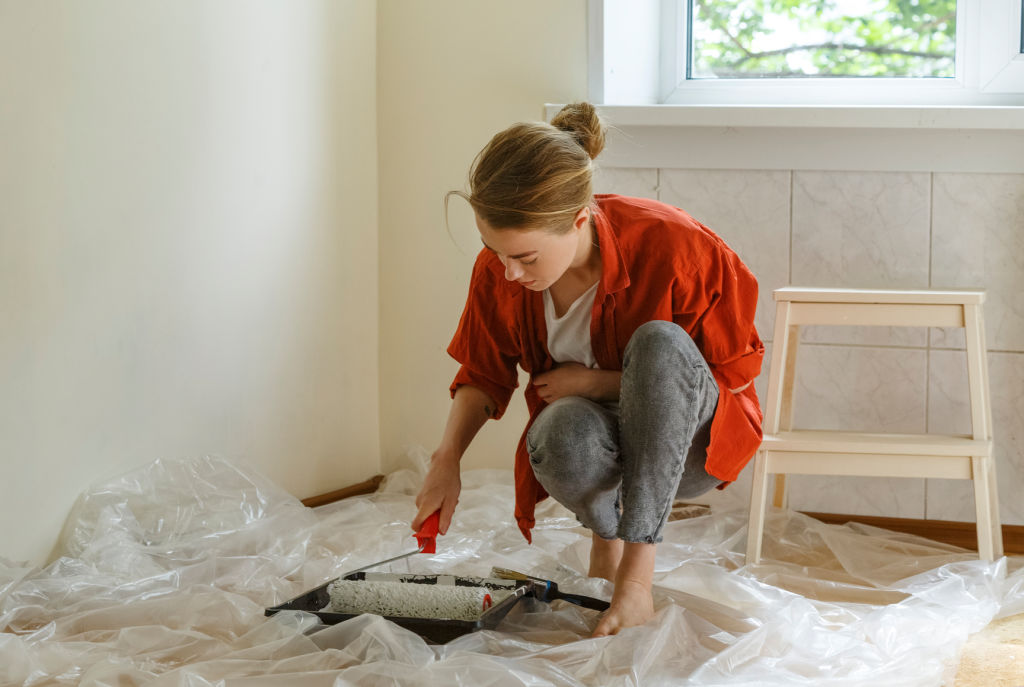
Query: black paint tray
x,y
438,631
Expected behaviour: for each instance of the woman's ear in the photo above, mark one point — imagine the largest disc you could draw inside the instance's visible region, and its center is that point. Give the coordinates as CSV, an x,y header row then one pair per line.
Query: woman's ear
x,y
582,219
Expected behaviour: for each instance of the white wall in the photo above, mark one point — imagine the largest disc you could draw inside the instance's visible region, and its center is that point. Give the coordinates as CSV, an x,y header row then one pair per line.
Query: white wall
x,y
188,245
451,75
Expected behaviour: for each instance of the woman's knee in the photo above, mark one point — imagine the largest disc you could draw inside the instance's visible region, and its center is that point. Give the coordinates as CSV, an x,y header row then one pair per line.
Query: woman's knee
x,y
659,349
661,338
569,435
566,422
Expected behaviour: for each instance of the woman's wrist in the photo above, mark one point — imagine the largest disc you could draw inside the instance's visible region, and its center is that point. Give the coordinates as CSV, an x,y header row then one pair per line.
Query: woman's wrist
x,y
446,456
607,384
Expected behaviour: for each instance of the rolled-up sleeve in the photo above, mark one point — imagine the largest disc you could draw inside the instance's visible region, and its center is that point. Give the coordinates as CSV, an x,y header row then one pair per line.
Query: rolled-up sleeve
x,y
485,343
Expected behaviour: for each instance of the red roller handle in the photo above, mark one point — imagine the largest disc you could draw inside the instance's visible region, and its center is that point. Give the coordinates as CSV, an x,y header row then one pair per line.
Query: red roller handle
x,y
427,535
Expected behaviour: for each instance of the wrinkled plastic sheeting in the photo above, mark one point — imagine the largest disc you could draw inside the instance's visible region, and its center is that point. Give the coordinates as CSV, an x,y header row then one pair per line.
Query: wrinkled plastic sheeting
x,y
165,573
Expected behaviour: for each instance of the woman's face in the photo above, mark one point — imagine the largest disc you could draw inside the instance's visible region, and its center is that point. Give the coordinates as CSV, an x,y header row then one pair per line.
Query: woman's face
x,y
535,258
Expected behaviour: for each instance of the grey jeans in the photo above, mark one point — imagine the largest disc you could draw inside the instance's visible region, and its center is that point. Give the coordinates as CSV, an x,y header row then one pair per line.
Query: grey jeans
x,y
618,467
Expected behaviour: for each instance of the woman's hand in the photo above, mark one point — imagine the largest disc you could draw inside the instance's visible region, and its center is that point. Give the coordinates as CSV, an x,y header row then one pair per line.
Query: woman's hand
x,y
574,379
440,491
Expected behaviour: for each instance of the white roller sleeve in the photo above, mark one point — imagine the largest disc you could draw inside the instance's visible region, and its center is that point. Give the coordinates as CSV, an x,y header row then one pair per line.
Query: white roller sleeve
x,y
411,600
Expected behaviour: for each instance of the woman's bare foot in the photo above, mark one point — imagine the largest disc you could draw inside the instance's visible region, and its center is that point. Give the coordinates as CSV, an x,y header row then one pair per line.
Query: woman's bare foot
x,y
605,555
632,603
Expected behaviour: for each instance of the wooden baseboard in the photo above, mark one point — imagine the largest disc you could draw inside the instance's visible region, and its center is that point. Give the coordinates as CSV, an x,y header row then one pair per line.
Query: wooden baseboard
x,y
367,487
962,534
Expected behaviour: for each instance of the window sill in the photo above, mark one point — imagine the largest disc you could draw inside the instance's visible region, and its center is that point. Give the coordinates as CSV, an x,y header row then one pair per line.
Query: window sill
x,y
974,139
813,116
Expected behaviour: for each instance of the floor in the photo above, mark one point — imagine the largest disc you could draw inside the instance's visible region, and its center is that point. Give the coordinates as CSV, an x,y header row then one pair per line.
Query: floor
x,y
995,656
167,571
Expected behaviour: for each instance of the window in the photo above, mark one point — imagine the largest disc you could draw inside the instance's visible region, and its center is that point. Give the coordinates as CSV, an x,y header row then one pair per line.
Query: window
x,y
742,39
853,52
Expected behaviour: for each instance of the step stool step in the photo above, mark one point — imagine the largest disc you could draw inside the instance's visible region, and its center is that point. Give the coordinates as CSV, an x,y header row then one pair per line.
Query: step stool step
x,y
825,295
825,441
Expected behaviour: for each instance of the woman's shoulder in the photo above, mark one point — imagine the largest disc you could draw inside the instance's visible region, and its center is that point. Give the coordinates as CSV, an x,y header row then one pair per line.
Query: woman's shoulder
x,y
652,223
632,206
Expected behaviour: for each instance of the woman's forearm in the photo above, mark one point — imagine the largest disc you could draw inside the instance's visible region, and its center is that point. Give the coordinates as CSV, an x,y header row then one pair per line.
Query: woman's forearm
x,y
440,491
470,409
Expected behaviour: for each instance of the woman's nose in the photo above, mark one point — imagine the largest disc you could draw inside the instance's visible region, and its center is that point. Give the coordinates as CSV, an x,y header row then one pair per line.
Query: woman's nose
x,y
513,270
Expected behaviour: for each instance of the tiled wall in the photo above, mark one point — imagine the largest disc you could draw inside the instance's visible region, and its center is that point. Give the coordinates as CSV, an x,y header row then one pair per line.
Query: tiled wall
x,y
876,230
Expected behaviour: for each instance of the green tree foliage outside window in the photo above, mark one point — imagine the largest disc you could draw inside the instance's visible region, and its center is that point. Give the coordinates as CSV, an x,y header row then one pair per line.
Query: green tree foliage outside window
x,y
736,39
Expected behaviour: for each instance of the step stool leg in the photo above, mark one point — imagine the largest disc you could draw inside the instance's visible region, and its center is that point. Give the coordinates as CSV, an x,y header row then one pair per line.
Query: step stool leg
x,y
986,495
983,507
758,503
780,416
993,499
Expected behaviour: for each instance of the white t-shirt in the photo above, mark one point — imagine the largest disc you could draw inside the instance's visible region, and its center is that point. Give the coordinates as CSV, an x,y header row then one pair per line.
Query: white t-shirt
x,y
569,335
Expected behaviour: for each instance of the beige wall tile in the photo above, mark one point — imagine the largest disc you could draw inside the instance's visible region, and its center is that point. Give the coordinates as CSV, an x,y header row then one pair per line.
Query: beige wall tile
x,y
949,412
861,229
860,388
978,242
625,181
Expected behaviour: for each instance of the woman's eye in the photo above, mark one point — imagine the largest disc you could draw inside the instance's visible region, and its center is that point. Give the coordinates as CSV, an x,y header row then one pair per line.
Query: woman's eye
x,y
527,262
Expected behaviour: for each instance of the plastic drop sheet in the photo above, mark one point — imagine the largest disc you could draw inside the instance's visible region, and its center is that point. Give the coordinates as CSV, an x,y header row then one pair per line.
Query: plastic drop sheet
x,y
165,572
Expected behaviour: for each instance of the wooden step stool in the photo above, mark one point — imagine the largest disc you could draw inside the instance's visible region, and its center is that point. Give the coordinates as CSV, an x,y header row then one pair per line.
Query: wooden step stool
x,y
785,450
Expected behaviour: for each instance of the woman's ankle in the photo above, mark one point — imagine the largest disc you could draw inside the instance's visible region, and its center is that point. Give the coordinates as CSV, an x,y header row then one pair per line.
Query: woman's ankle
x,y
605,555
636,565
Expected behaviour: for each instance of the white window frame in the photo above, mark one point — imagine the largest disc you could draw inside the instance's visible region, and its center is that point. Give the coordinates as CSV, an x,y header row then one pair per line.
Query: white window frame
x,y
636,59
1002,62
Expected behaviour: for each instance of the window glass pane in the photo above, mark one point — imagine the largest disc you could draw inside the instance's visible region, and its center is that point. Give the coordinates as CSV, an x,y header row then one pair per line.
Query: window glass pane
x,y
821,38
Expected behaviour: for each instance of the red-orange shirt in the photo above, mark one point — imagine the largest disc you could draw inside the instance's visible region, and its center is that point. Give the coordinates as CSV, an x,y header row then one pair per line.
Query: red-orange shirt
x,y
658,263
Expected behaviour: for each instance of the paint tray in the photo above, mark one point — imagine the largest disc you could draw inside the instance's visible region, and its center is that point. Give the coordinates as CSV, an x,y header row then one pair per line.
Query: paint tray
x,y
435,630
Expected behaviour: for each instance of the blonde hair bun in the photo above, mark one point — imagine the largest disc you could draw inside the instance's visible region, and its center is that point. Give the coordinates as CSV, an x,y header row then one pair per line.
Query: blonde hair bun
x,y
537,175
583,123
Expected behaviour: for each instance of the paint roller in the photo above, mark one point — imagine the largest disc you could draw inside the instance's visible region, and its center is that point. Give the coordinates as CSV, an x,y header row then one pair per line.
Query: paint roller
x,y
405,600
411,600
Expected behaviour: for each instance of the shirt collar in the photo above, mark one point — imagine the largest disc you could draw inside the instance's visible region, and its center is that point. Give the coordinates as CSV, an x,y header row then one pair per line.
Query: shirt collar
x,y
614,275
